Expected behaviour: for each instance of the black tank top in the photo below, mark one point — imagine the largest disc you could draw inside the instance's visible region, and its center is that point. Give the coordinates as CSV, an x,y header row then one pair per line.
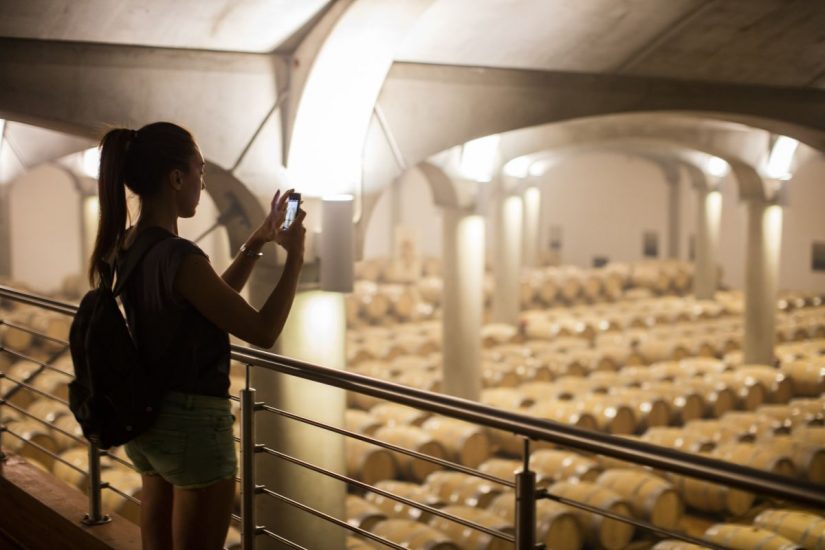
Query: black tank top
x,y
183,348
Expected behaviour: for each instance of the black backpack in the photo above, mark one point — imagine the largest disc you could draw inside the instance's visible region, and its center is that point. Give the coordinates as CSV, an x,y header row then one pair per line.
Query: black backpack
x,y
112,396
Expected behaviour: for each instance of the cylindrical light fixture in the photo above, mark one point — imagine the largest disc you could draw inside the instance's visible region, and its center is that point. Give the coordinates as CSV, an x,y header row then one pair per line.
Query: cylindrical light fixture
x,y
336,247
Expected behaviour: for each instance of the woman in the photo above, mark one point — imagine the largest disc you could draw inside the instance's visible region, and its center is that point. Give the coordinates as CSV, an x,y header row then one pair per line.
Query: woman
x,y
181,313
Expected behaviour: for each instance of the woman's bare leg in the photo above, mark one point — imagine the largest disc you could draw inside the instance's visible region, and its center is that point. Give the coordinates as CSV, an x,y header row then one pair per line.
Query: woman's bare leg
x,y
200,518
156,513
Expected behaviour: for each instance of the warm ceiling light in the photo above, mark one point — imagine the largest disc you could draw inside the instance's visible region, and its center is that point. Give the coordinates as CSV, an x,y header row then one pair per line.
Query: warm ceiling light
x,y
479,158
779,161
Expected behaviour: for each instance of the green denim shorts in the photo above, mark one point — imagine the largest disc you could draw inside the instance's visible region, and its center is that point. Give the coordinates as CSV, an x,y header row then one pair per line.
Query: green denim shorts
x,y
190,445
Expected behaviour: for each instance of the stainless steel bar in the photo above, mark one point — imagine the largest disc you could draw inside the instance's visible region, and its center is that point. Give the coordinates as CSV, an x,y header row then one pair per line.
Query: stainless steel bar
x,y
282,540
33,360
441,462
248,526
121,493
3,456
95,516
701,467
236,518
49,425
40,301
33,332
44,450
329,518
734,475
37,391
625,519
526,504
119,460
376,490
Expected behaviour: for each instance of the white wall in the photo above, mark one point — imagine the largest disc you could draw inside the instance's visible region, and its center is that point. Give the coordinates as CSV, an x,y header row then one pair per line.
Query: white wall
x,y
803,223
44,212
417,211
604,203
45,218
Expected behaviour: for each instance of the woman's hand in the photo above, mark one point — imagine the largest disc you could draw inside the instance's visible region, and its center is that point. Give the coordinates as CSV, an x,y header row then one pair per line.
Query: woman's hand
x,y
270,229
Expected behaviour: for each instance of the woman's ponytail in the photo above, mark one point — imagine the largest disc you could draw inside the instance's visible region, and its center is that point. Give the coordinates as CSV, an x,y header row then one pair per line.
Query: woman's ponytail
x,y
114,148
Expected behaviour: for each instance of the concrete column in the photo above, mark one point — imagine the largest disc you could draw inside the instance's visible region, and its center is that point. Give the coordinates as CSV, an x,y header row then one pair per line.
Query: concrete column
x,y
673,217
530,236
463,270
315,332
764,238
507,260
5,231
709,209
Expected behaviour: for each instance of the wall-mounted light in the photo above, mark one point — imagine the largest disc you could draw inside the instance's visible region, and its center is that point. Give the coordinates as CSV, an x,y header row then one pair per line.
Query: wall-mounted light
x,y
779,161
337,244
479,158
518,167
90,162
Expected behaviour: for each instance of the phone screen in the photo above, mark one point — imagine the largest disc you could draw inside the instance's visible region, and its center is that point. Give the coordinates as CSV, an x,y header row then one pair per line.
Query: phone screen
x,y
291,209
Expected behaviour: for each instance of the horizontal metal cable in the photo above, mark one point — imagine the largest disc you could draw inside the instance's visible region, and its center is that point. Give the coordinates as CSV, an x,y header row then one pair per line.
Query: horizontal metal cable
x,y
46,451
119,460
234,398
625,519
39,301
639,452
35,390
236,518
50,425
282,540
33,332
331,519
107,485
24,357
392,496
441,462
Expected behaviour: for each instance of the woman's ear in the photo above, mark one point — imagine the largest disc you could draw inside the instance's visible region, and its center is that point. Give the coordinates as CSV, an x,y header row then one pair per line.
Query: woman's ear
x,y
176,179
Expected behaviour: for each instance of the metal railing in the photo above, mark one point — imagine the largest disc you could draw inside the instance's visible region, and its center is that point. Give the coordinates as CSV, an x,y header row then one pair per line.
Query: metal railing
x,y
530,429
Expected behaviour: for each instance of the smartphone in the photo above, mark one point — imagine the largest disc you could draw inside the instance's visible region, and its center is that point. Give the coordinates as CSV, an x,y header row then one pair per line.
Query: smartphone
x,y
292,205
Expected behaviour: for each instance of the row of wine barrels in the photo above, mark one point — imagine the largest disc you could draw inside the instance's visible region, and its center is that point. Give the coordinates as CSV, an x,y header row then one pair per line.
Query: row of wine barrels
x,y
805,529
745,537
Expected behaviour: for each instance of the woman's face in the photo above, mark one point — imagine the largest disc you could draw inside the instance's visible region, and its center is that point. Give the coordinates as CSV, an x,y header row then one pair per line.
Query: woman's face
x,y
191,185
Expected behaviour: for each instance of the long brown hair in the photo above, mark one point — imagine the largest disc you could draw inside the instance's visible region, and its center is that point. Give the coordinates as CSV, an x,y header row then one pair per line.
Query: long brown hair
x,y
139,160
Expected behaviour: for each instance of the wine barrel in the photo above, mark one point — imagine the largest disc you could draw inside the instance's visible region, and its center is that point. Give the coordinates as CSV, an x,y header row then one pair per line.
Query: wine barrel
x,y
750,392
756,456
414,439
48,410
505,398
651,410
412,534
718,397
808,458
53,383
394,414
779,387
79,458
495,334
678,438
369,463
460,488
553,465
361,422
745,537
687,404
501,468
712,497
790,416
599,531
758,426
465,443
471,538
611,415
669,544
807,377
718,431
803,528
650,497
362,514
400,510
68,424
565,412
352,543
556,525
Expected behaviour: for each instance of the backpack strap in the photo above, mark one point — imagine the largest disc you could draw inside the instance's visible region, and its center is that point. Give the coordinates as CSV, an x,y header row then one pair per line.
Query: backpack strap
x,y
144,242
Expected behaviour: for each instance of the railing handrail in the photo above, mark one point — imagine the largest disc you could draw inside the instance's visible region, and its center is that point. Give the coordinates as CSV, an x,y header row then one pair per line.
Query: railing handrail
x,y
647,454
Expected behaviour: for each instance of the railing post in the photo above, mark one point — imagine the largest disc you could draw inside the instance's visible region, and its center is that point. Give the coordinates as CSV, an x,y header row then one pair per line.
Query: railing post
x,y
2,424
95,516
526,504
248,527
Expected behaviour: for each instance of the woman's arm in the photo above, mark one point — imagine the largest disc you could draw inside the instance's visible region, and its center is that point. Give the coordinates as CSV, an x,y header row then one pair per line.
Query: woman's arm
x,y
216,300
239,270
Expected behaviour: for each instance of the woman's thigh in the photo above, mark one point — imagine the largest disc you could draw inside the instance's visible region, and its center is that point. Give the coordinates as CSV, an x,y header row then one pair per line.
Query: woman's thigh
x,y
200,519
